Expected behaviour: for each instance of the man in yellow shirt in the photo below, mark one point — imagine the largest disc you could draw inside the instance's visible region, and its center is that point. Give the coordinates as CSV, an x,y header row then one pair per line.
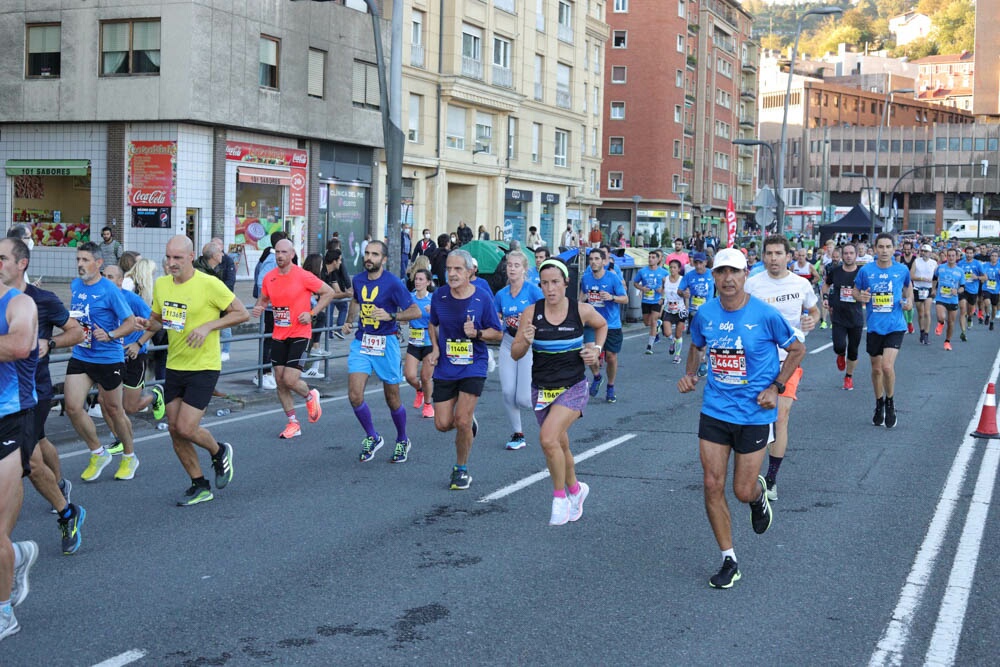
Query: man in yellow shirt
x,y
187,304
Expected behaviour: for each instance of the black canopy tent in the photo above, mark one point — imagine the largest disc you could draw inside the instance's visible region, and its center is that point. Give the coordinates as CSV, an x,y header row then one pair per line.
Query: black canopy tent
x,y
856,221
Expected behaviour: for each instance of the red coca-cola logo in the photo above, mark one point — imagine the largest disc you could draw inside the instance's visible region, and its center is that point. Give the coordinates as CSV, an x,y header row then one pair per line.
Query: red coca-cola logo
x,y
234,151
152,197
300,159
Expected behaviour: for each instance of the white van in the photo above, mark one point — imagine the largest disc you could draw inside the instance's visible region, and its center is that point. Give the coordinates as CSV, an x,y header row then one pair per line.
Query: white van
x,y
972,229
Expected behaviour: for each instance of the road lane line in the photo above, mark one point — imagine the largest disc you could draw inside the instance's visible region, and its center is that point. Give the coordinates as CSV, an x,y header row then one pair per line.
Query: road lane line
x,y
951,617
538,476
123,659
892,644
820,349
220,422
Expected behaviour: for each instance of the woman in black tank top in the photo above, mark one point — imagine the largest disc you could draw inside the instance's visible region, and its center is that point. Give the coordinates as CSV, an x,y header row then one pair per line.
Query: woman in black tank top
x,y
553,329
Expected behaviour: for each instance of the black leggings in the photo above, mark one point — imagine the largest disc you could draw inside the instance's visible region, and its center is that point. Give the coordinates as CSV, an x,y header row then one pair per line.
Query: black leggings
x,y
846,339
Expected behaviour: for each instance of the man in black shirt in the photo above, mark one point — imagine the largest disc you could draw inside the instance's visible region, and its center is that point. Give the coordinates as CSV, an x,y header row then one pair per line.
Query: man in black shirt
x,y
847,314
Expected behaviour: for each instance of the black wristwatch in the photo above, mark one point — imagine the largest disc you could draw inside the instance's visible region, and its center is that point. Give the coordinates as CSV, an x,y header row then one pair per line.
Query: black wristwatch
x,y
781,387
479,334
52,344
392,316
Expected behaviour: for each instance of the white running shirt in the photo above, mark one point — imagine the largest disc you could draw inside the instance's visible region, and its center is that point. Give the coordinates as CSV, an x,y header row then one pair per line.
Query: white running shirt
x,y
923,272
791,295
672,300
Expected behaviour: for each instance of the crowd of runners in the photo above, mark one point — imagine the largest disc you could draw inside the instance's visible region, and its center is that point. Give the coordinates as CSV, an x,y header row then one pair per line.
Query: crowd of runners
x,y
746,314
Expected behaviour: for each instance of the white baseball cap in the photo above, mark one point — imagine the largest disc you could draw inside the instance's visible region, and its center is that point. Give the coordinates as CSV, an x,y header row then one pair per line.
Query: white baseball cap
x,y
730,257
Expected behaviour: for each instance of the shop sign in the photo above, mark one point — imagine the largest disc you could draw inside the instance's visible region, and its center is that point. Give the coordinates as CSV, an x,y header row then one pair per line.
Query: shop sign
x,y
152,173
151,217
550,198
296,159
47,167
518,195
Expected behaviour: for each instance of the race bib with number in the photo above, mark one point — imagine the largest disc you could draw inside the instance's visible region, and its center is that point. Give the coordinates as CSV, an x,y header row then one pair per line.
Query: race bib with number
x,y
649,294
417,336
594,298
512,321
946,291
673,307
88,335
847,295
459,352
373,345
969,276
547,396
282,316
882,302
174,315
697,302
923,292
729,366
991,285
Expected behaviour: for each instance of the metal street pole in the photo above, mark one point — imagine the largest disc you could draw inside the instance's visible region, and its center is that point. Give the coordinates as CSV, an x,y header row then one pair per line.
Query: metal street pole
x,y
878,143
871,209
779,204
682,189
818,11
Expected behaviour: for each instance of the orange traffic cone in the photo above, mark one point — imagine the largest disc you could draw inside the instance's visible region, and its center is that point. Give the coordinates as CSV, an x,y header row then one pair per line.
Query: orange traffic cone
x,y
988,417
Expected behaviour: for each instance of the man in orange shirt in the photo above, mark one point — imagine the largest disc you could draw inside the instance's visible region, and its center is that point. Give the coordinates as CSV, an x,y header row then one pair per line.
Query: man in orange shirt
x,y
595,236
289,290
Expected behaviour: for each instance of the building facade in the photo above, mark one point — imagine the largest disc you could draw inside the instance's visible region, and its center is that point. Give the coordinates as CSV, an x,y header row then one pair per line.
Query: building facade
x,y
183,118
501,111
947,80
681,86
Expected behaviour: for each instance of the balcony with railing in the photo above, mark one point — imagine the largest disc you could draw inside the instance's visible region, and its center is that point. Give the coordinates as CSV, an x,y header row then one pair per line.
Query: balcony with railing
x,y
689,128
747,119
749,64
417,55
692,61
563,98
472,67
565,33
723,12
748,93
727,44
744,176
506,5
503,77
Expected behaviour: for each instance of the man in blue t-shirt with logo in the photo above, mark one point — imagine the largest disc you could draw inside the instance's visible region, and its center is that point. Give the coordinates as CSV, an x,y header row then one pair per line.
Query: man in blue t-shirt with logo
x,y
605,291
463,319
649,282
382,300
991,287
947,288
741,335
972,275
98,304
697,287
885,287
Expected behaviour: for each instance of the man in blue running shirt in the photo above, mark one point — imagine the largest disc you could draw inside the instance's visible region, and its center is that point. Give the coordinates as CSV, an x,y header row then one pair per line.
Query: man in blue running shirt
x,y
741,335
991,287
649,283
605,291
697,287
885,287
972,272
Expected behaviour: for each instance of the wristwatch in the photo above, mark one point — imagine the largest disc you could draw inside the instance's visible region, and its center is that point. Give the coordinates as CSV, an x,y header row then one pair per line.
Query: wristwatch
x,y
392,316
52,344
781,387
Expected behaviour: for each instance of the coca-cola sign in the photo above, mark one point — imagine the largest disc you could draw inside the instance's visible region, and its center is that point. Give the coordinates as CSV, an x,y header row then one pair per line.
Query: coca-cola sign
x,y
152,173
268,155
149,198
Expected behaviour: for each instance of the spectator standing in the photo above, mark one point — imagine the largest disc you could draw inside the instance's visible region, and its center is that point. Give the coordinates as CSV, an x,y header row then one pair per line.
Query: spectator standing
x,y
439,259
569,237
111,250
483,234
406,247
335,275
595,237
425,246
464,233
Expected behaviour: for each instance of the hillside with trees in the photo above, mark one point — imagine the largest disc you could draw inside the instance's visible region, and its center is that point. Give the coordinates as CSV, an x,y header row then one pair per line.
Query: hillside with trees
x,y
866,25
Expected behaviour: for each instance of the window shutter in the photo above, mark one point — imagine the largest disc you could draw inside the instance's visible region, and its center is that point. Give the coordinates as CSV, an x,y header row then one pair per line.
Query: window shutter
x,y
358,82
371,87
317,72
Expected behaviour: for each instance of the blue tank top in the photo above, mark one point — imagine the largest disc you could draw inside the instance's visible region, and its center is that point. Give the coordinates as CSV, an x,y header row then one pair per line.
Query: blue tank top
x,y
17,378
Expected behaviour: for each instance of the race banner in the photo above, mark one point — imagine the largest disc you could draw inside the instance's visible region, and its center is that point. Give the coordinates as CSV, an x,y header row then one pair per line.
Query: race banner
x,y
730,223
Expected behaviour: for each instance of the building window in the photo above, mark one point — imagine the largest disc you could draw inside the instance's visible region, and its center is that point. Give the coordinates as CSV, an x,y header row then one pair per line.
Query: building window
x,y
413,129
564,98
502,75
618,74
472,52
536,140
565,27
364,85
615,180
539,77
317,73
593,181
593,141
455,132
44,50
540,15
484,132
511,138
616,146
559,151
597,100
677,113
619,40
130,47
621,6
677,148
679,79
597,59
417,38
675,182
585,97
617,111
680,43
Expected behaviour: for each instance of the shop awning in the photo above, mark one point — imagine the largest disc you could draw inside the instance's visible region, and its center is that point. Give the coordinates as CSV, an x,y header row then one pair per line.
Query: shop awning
x,y
262,176
47,167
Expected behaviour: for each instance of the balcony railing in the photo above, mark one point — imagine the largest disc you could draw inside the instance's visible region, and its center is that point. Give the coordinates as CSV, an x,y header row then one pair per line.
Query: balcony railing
x,y
417,55
689,128
748,94
744,177
746,151
502,77
563,98
506,5
472,68
747,119
748,65
565,33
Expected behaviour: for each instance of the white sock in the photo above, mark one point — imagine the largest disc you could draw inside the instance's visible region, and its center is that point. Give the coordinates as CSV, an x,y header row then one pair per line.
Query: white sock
x,y
128,456
99,451
17,555
651,339
730,553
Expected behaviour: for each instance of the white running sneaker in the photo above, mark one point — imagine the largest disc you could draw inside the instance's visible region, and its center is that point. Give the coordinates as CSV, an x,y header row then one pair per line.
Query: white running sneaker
x,y
560,511
576,502
8,624
268,382
29,554
313,372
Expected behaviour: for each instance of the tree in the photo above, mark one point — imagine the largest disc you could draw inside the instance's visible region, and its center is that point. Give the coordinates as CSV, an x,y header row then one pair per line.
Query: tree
x,y
955,27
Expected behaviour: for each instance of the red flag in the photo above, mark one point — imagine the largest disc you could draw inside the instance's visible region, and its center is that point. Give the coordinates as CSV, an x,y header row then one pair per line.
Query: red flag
x,y
730,223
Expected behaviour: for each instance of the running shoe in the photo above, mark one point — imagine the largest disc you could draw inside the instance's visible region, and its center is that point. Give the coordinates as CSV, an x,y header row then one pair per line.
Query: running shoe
x,y
879,417
29,554
70,529
419,400
268,382
611,398
67,488
96,465
560,511
760,511
890,413
677,358
909,327
947,346
595,385
127,468
657,339
115,448
196,494
475,426
962,337
772,488
460,479
402,450
991,325
824,325
313,407
8,624
848,384
313,373
980,317
159,407
292,430
339,335
369,446
672,348
727,575
576,502
516,441
319,352
428,411
222,462
841,362
649,349
702,369
939,328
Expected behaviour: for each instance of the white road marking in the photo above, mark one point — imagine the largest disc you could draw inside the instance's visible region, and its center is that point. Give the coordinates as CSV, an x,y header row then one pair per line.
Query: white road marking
x,y
892,645
123,659
538,476
220,422
948,630
820,349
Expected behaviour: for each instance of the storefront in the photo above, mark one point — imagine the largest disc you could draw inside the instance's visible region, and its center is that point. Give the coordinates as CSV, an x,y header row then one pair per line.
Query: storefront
x,y
546,219
515,214
345,207
53,197
651,225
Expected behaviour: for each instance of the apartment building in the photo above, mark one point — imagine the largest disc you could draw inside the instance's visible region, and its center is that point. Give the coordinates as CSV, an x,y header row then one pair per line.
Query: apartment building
x,y
947,80
681,86
502,108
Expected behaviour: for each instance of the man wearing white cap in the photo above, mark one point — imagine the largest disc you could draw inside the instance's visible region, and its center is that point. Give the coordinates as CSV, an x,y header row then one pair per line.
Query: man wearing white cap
x,y
742,335
922,275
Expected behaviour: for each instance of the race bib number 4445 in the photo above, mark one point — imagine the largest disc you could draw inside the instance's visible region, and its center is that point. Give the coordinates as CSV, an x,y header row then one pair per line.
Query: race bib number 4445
x,y
174,315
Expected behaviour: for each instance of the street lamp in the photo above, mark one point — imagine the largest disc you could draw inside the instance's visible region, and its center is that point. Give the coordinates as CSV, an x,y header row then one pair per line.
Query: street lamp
x,y
780,208
819,11
878,138
871,212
